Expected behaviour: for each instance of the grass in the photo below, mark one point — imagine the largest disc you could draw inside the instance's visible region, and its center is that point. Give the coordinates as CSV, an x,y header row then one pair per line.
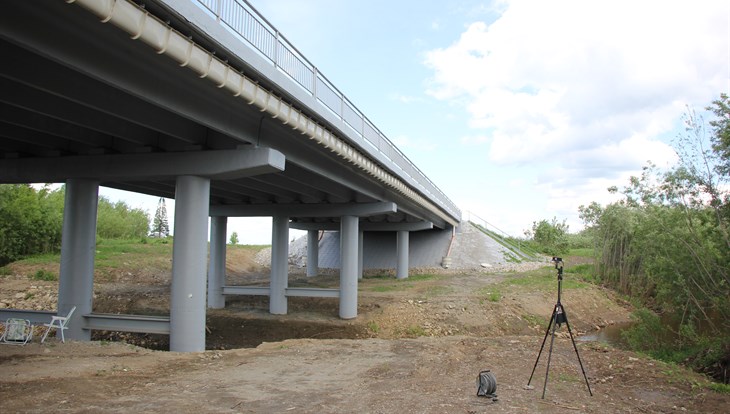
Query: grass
x,y
114,254
490,293
373,326
44,275
535,320
543,279
387,283
439,291
719,387
582,252
568,377
415,330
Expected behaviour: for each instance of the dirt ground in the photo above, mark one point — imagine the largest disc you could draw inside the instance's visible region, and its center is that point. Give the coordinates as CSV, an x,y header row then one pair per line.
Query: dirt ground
x,y
416,347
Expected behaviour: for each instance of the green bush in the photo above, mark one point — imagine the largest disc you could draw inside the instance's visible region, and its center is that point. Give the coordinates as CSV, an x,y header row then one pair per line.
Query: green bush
x,y
44,275
647,333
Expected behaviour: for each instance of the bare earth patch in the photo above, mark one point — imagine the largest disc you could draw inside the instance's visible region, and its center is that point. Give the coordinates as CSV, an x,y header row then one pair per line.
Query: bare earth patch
x,y
416,347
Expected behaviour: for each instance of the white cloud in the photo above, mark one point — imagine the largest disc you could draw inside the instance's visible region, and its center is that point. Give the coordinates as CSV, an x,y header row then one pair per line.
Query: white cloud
x,y
582,94
573,74
406,99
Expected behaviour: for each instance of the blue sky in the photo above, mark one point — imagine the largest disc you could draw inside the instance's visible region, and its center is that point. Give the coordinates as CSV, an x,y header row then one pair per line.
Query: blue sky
x,y
518,110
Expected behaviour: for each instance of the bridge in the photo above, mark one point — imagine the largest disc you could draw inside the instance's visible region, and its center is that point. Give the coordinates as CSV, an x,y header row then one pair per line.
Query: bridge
x,y
203,101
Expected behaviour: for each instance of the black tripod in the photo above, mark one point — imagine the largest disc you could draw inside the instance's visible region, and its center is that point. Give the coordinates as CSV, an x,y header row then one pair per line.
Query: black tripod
x,y
557,318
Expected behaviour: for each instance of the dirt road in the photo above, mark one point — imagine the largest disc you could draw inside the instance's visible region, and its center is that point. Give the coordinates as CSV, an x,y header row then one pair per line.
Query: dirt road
x,y
416,347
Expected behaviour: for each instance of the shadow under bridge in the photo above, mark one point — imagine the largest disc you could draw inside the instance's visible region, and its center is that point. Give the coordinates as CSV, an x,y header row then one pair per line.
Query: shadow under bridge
x,y
207,103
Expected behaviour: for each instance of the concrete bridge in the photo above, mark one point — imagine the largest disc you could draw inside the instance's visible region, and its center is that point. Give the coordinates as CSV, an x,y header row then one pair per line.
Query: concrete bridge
x,y
205,102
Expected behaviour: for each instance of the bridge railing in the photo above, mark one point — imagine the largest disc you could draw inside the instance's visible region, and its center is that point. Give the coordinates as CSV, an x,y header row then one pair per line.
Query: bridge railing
x,y
244,21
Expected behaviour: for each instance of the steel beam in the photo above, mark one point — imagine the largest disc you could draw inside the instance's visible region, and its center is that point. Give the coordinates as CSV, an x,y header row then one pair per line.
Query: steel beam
x,y
127,323
246,290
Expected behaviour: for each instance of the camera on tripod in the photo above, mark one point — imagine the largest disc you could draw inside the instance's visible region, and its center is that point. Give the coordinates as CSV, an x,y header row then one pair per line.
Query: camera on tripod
x,y
558,264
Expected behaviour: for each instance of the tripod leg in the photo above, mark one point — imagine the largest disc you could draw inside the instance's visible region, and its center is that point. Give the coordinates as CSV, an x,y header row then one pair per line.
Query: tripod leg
x,y
550,354
585,377
552,318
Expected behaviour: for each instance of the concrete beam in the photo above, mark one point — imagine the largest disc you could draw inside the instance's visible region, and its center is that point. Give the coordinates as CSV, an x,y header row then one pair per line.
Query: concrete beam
x,y
304,210
214,165
365,226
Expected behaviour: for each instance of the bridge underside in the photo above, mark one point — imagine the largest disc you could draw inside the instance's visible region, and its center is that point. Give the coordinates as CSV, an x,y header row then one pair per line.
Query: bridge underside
x,y
84,104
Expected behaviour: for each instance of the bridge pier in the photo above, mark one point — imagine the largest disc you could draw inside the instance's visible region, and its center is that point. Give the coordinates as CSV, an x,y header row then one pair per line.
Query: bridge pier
x,y
360,240
312,253
189,254
348,266
78,246
401,269
217,262
279,265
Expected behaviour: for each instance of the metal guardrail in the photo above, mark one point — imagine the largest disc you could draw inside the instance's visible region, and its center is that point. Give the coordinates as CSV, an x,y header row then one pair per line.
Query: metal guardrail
x,y
128,323
244,21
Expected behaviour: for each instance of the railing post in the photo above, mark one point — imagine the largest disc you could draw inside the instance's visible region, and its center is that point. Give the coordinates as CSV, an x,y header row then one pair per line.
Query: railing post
x,y
276,49
314,82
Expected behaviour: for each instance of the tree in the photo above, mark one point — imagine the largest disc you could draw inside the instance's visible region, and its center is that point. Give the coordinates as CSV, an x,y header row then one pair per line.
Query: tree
x,y
721,132
30,221
667,241
234,238
119,221
551,237
160,228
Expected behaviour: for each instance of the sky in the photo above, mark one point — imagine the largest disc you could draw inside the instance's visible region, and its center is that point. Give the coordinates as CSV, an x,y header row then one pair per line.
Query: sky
x,y
518,110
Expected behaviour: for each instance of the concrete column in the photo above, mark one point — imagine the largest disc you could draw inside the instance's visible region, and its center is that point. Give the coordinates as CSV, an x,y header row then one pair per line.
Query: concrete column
x,y
401,268
360,238
189,254
217,262
78,246
312,253
348,267
279,265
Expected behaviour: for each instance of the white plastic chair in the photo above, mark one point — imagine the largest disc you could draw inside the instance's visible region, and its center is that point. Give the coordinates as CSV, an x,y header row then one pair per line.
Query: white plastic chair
x,y
59,323
17,332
